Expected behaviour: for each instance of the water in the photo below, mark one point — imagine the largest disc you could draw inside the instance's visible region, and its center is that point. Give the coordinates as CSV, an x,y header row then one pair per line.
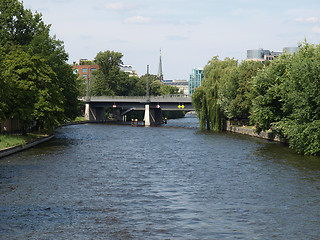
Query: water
x,y
172,182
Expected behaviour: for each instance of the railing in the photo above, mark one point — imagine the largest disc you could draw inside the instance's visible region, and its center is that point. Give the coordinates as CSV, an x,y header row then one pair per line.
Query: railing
x,y
173,96
135,97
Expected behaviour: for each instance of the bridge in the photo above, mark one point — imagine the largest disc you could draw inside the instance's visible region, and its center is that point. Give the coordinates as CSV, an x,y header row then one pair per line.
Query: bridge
x,y
153,106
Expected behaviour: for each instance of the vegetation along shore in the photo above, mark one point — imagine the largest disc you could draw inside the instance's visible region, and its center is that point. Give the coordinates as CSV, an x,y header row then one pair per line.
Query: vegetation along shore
x,y
40,91
282,96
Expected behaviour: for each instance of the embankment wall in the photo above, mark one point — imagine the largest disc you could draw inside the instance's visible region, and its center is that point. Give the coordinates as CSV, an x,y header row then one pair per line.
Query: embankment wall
x,y
12,150
251,132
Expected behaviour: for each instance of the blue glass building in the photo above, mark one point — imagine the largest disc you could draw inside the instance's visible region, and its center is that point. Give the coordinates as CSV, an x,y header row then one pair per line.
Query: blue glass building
x,y
195,79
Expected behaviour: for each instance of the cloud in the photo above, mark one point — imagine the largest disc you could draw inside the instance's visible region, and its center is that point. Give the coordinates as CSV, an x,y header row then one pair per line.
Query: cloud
x,y
312,19
137,19
120,6
307,20
299,19
176,38
240,12
316,29
115,6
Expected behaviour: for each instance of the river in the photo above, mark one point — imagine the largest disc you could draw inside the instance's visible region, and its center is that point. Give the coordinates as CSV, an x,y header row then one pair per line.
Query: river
x,y
104,181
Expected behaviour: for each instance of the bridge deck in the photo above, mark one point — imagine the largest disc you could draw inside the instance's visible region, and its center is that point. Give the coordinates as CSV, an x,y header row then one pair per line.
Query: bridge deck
x,y
140,99
176,102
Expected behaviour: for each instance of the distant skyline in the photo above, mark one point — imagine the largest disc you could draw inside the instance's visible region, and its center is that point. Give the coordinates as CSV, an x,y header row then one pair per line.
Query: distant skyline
x,y
189,33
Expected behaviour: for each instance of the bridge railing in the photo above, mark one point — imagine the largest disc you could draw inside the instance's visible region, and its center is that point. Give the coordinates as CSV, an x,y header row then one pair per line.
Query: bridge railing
x,y
172,96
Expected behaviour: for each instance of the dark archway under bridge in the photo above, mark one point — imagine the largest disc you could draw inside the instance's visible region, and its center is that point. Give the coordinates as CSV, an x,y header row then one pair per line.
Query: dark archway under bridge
x,y
153,106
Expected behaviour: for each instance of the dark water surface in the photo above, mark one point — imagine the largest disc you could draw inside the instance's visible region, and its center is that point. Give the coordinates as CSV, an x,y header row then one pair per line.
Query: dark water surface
x,y
174,182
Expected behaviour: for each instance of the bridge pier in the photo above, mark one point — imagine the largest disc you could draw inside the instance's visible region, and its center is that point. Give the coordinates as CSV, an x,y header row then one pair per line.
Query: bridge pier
x,y
152,116
87,111
147,122
95,113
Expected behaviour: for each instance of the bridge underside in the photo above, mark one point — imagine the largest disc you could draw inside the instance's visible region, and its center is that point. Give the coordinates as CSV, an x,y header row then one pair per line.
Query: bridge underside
x,y
96,111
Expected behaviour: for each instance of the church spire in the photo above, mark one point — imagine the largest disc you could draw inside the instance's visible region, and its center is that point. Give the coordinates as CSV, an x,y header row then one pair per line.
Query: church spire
x,y
160,73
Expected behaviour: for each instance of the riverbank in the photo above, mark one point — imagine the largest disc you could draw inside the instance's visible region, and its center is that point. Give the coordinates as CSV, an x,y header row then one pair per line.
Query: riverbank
x,y
251,131
21,147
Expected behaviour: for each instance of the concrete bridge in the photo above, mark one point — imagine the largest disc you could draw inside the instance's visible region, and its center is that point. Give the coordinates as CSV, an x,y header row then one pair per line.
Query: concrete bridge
x,y
153,106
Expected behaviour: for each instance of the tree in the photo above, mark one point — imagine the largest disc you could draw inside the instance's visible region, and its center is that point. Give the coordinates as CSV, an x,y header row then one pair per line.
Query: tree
x,y
288,99
48,80
108,79
215,94
18,25
53,51
32,95
4,88
240,105
268,86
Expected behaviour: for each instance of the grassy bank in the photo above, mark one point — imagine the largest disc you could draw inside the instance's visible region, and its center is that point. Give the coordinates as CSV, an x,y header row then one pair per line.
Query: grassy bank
x,y
8,140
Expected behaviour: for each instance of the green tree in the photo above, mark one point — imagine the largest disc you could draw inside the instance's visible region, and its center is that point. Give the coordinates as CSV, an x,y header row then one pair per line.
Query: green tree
x,y
288,99
17,25
4,88
216,93
240,105
25,33
108,80
53,51
268,85
33,95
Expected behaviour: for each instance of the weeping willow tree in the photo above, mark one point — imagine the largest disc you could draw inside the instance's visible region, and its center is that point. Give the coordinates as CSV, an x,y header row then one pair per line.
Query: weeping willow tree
x,y
208,109
207,98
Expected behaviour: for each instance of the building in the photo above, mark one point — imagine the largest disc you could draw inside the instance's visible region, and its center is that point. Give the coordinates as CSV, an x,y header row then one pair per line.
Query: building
x,y
160,73
129,69
261,55
181,84
84,68
195,79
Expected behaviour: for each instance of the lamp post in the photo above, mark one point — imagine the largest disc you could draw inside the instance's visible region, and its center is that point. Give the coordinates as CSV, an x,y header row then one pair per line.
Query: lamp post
x,y
147,90
87,94
87,108
147,106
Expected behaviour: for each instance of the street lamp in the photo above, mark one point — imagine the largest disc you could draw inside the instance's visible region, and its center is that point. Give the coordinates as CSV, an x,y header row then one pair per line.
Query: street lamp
x,y
147,90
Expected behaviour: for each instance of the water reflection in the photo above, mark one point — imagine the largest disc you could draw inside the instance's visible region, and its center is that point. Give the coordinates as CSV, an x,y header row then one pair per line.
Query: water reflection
x,y
173,182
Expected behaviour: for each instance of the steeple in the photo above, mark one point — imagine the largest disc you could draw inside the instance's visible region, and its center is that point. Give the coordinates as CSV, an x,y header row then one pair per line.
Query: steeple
x,y
160,73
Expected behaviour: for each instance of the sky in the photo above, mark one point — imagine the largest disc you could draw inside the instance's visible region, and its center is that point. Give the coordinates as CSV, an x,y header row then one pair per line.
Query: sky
x,y
188,32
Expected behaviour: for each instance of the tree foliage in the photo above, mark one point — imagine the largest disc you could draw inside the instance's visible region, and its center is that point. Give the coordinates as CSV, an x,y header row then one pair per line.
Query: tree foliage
x,y
288,99
33,94
38,83
215,93
109,80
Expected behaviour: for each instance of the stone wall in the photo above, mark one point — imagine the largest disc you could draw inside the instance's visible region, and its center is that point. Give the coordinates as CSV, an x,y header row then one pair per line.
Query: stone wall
x,y
251,132
12,150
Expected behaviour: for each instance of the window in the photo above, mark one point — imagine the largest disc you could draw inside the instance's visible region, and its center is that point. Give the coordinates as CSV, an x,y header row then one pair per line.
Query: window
x,y
93,69
84,75
84,70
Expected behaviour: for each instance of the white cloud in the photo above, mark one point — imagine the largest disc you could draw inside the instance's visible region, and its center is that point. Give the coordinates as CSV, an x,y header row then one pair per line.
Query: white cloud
x,y
120,6
308,20
115,6
312,19
137,19
316,29
299,19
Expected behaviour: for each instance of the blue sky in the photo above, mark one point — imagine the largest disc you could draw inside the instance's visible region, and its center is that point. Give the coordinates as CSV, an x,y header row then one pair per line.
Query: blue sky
x,y
189,32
